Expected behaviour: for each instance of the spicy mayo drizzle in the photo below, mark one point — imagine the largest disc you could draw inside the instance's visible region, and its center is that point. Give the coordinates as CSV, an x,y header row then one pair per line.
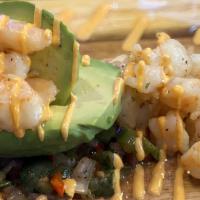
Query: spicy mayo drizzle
x,y
179,192
138,183
118,164
15,109
75,62
86,30
178,91
179,133
2,62
24,35
56,32
118,87
140,154
140,74
41,132
67,117
158,175
37,17
162,124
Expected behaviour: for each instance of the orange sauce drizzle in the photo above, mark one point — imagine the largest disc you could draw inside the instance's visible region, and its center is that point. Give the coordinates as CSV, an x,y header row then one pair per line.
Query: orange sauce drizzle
x,y
24,35
128,72
86,30
85,60
118,164
41,133
118,87
178,91
158,174
162,37
15,110
196,37
37,17
135,34
179,133
166,63
145,55
138,183
140,75
140,154
2,62
179,191
67,117
75,62
56,32
162,124
65,15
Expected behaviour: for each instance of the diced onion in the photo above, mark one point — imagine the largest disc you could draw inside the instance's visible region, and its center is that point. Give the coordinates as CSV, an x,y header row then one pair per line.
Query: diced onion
x,y
83,173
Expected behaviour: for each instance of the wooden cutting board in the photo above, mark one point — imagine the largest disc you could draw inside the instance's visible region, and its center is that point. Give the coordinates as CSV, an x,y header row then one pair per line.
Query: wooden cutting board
x,y
110,49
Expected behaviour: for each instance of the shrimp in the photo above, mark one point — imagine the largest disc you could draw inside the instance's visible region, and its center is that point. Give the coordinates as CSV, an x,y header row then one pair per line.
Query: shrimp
x,y
21,107
169,130
154,68
191,160
22,37
180,60
182,94
147,79
15,63
195,72
46,89
133,103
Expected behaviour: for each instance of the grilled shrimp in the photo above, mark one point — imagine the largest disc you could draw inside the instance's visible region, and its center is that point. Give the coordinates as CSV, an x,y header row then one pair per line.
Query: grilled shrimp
x,y
191,160
22,37
183,94
169,130
21,107
15,63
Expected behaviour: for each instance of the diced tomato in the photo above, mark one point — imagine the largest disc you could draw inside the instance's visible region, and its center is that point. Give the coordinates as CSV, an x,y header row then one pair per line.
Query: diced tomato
x,y
58,184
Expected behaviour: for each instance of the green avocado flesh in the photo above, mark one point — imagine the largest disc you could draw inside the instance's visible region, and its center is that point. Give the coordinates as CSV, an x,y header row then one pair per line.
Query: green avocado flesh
x,y
94,112
54,62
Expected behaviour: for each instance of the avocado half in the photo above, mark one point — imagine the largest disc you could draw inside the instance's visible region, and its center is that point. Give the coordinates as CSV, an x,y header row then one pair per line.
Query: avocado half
x,y
54,62
94,111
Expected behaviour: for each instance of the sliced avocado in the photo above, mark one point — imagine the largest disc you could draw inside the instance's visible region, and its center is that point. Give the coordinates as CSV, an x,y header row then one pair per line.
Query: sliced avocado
x,y
54,62
93,112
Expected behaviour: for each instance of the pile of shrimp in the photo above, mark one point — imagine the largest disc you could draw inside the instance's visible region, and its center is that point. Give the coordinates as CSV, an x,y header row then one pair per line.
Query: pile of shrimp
x,y
24,101
162,98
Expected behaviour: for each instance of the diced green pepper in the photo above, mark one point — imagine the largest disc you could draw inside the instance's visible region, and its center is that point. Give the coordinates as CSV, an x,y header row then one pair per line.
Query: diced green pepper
x,y
127,142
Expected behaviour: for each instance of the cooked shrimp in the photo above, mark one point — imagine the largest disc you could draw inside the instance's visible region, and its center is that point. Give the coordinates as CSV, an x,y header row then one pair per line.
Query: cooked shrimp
x,y
21,107
169,130
15,63
182,94
132,104
147,79
180,60
191,160
195,72
22,37
46,89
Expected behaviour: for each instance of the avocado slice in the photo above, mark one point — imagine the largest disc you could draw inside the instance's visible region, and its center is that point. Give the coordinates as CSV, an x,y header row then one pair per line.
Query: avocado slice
x,y
94,112
54,62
